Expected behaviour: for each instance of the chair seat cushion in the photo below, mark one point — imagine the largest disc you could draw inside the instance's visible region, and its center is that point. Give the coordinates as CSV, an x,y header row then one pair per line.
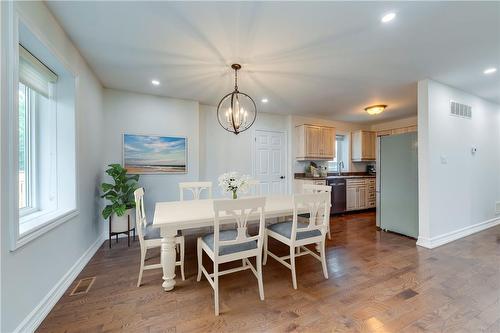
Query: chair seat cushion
x,y
150,232
225,235
285,230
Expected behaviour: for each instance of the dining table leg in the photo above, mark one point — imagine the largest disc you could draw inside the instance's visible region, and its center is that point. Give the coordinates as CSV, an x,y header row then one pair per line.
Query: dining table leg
x,y
168,258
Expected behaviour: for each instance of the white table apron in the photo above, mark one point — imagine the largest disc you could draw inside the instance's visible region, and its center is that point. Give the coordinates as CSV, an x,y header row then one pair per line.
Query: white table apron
x,y
173,216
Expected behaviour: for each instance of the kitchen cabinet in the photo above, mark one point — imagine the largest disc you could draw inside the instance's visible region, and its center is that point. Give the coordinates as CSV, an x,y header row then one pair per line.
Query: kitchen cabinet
x,y
298,183
360,194
396,131
363,146
315,143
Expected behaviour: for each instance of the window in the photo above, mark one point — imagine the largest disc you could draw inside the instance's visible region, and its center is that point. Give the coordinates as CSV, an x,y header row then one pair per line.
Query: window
x,y
340,154
26,150
43,161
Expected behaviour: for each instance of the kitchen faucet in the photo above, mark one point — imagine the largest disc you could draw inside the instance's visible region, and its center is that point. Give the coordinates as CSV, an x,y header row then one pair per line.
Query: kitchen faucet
x,y
340,166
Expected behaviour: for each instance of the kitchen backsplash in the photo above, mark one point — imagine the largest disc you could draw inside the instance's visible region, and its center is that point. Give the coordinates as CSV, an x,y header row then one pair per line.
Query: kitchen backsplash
x,y
300,166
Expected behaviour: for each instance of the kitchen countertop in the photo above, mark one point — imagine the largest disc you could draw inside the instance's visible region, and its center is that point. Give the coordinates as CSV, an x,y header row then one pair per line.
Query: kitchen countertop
x,y
334,177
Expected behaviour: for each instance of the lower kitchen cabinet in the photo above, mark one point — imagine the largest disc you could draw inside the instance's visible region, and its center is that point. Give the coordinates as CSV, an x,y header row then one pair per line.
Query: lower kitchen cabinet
x,y
360,194
299,183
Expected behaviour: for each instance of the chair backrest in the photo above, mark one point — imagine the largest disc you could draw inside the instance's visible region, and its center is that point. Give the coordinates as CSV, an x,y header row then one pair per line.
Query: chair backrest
x,y
196,188
312,188
253,187
239,212
140,215
317,205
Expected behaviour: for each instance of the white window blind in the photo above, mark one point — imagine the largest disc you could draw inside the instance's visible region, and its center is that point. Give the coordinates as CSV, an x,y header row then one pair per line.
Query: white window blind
x,y
34,74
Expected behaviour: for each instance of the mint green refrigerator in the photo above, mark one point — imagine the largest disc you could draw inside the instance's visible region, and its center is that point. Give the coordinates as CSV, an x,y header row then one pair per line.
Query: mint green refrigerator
x,y
398,184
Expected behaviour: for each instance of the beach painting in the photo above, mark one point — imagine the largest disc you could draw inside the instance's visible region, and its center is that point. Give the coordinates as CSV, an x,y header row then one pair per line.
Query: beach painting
x,y
147,154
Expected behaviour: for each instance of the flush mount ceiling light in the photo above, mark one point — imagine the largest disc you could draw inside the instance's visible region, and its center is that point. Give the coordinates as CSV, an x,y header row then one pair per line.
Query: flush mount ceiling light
x,y
264,100
490,70
155,82
375,109
388,17
236,111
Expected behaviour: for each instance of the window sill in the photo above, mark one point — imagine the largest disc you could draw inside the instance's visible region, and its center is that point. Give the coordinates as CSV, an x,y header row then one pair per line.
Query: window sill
x,y
35,225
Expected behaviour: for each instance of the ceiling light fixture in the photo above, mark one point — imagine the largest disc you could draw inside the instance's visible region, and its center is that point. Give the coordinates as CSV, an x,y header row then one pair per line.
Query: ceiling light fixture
x,y
375,109
236,111
490,70
264,100
155,82
388,17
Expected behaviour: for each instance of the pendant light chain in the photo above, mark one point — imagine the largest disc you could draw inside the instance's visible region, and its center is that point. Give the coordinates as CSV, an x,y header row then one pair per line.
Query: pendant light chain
x,y
235,80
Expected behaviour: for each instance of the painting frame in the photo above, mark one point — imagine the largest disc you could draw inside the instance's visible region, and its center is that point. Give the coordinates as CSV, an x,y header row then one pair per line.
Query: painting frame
x,y
156,171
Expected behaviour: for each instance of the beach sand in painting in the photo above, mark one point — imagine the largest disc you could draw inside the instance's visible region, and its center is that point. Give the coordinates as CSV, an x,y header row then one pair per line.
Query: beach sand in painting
x,y
154,169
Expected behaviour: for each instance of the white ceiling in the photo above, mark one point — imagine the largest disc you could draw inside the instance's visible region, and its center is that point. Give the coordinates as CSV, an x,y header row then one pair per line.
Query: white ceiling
x,y
328,59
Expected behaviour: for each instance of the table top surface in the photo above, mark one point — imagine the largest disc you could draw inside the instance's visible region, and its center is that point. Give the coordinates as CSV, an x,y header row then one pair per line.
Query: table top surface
x,y
195,213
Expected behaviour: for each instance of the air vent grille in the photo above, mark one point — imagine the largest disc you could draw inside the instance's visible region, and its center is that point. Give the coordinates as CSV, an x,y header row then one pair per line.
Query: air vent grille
x,y
460,110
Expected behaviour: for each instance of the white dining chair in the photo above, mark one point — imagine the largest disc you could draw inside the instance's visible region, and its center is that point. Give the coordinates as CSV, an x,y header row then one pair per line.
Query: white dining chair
x,y
313,188
196,188
235,244
253,187
297,235
150,238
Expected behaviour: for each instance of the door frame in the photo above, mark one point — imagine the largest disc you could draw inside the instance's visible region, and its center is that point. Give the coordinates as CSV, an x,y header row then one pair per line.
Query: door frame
x,y
254,147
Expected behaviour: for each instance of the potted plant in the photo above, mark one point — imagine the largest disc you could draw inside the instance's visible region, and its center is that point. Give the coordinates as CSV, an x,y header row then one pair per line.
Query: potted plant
x,y
120,195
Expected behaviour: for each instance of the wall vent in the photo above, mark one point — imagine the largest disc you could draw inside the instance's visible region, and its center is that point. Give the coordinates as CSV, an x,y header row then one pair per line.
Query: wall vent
x,y
497,207
460,110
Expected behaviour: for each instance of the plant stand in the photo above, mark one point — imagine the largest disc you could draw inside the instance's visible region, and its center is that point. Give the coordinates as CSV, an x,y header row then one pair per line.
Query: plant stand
x,y
127,232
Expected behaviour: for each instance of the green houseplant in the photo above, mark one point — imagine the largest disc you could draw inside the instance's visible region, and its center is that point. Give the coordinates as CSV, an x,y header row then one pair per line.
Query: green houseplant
x,y
120,194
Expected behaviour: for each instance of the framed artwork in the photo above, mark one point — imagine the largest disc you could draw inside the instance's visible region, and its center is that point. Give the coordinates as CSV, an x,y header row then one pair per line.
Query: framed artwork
x,y
148,154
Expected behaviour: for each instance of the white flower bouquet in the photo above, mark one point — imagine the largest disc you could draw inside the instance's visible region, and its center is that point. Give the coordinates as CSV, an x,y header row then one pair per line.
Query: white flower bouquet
x,y
233,182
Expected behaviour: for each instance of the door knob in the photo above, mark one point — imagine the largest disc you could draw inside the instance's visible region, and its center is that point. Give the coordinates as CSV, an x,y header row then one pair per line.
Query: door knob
x,y
282,177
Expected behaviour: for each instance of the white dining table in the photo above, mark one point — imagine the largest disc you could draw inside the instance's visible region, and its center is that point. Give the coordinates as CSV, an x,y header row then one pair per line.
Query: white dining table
x,y
173,216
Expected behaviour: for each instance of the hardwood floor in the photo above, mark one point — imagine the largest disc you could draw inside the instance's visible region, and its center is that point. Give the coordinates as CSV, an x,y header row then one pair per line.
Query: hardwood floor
x,y
379,282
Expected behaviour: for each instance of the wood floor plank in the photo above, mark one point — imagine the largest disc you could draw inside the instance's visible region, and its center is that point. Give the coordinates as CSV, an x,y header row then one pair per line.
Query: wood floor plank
x,y
379,282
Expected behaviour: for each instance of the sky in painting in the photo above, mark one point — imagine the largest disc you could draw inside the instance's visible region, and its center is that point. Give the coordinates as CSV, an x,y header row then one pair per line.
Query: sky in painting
x,y
154,150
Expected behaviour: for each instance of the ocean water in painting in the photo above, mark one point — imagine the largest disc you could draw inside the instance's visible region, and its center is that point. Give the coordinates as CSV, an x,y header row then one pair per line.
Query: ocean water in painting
x,y
143,154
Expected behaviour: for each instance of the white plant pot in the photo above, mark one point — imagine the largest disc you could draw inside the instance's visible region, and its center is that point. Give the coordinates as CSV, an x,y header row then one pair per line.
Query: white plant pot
x,y
120,223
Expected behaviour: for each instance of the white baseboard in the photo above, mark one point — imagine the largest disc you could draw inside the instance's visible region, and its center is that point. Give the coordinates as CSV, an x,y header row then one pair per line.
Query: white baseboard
x,y
434,242
35,318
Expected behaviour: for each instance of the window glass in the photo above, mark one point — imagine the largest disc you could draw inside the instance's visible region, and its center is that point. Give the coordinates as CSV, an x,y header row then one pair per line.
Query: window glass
x,y
23,194
340,149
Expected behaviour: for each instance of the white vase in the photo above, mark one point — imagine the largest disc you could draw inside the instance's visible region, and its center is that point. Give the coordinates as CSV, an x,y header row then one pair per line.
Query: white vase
x,y
120,223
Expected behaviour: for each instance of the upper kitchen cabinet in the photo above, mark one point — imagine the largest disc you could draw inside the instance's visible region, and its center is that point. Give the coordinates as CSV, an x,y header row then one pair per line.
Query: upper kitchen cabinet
x,y
363,146
315,142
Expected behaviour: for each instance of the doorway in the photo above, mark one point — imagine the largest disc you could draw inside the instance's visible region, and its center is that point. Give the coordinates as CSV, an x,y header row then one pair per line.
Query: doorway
x,y
270,162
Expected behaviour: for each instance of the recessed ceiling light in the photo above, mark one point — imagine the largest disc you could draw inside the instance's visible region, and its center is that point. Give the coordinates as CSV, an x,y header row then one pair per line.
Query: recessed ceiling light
x,y
490,70
155,82
388,17
264,100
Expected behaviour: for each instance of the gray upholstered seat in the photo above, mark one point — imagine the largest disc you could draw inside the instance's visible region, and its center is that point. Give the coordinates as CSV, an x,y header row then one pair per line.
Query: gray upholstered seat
x,y
225,235
285,230
151,233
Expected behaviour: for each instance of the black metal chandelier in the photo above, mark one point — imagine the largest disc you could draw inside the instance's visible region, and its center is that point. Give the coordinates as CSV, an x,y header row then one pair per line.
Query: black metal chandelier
x,y
236,111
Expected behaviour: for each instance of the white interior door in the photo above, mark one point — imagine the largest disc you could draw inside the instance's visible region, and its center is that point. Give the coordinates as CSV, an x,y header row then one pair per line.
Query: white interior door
x,y
270,161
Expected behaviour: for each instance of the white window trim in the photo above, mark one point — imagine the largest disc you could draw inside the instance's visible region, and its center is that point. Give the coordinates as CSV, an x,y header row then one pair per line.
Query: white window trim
x,y
57,217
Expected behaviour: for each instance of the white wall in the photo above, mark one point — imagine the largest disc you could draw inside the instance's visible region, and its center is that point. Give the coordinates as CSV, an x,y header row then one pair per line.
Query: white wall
x,y
223,151
32,271
457,189
133,113
404,122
